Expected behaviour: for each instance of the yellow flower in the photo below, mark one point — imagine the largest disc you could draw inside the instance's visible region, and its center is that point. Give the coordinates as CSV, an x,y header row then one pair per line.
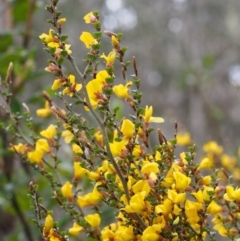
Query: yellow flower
x,y
127,129
44,112
181,180
150,167
164,208
94,176
140,186
74,87
221,230
49,38
95,86
137,203
93,219
76,149
48,224
184,139
148,116
176,197
205,180
67,190
49,133
75,230
87,39
191,211
199,196
19,148
110,58
90,18
35,157
213,208
61,21
117,148
205,164
115,42
121,91
213,147
90,198
232,194
57,84
99,137
42,145
78,170
228,162
151,233
68,136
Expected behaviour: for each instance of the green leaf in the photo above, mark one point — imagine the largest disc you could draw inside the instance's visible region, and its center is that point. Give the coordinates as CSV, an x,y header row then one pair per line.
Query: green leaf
x,y
64,38
97,35
109,80
6,40
16,106
20,11
124,49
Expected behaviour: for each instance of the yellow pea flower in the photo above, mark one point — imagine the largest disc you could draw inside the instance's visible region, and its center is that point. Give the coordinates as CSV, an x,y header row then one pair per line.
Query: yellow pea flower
x,y
213,208
90,18
66,190
127,128
76,149
93,219
150,167
19,148
68,136
75,230
48,224
57,84
213,147
205,180
99,137
191,211
151,233
79,171
110,58
140,186
91,198
88,39
184,139
61,21
137,203
117,148
205,164
199,196
95,86
122,91
44,112
94,176
49,38
49,133
164,208
176,197
149,118
115,42
35,157
74,87
42,145
232,194
181,180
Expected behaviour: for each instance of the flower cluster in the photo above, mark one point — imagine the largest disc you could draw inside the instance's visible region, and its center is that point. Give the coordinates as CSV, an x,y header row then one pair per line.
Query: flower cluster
x,y
155,195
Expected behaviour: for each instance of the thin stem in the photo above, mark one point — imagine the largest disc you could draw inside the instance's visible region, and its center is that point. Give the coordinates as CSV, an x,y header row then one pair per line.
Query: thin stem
x,y
105,136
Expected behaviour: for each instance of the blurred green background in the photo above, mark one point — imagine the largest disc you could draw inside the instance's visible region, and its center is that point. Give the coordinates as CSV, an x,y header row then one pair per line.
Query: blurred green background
x,y
188,55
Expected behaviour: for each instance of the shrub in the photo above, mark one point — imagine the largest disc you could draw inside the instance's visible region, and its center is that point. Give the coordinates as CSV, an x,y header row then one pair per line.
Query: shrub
x,y
150,194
